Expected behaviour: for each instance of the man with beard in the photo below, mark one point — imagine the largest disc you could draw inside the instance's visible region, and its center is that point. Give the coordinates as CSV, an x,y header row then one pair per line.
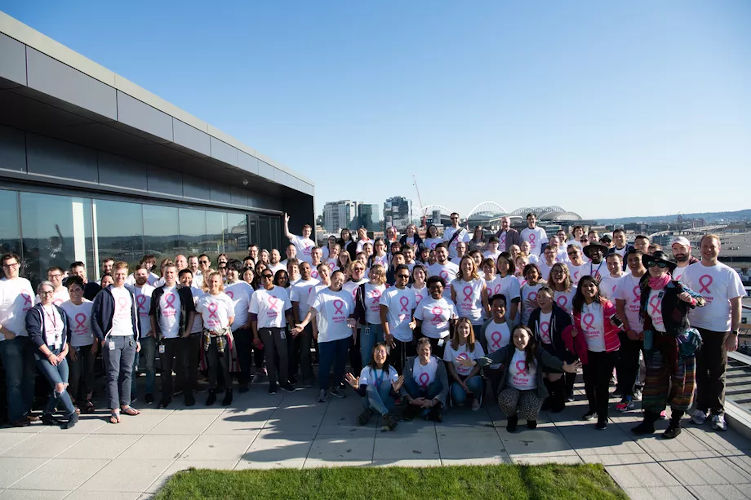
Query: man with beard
x,y
682,254
146,357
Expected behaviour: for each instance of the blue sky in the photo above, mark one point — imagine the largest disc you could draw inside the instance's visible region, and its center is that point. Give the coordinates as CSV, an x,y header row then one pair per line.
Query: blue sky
x,y
606,108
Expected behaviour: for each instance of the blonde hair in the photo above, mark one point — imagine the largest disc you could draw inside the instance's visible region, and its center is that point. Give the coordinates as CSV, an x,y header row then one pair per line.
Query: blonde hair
x,y
475,275
381,274
211,275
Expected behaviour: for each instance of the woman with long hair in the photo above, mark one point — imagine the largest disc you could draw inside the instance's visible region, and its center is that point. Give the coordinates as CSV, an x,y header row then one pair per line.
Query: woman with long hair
x,y
431,237
505,283
469,292
466,381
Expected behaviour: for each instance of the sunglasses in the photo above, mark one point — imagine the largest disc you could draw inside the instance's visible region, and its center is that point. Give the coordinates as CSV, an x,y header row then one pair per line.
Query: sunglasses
x,y
267,276
662,265
406,276
572,253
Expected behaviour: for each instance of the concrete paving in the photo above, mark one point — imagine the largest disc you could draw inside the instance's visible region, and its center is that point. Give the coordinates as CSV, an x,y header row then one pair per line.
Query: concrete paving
x,y
134,458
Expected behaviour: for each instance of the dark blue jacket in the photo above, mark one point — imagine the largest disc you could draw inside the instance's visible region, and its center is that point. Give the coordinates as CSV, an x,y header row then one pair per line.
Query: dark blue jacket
x,y
35,326
186,307
104,307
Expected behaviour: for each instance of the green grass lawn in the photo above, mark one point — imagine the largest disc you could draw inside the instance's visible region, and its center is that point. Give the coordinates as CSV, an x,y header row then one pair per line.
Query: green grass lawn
x,y
344,483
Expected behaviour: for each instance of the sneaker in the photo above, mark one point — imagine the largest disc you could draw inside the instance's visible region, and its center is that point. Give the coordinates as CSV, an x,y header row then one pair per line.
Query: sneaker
x,y
272,388
149,398
626,404
388,422
337,393
663,415
288,387
718,423
72,421
699,417
49,419
435,414
645,427
637,393
672,431
601,424
364,417
589,416
531,424
322,396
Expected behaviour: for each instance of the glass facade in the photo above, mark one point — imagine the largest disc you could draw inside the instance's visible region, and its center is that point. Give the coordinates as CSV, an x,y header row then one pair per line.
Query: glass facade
x,y
55,230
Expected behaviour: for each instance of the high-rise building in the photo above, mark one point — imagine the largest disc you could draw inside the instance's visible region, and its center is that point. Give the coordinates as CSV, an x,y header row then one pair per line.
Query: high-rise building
x,y
396,212
339,214
368,217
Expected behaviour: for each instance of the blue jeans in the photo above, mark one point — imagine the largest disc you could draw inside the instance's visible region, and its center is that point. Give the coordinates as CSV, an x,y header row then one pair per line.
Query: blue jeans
x,y
330,353
18,360
118,369
370,335
146,361
379,398
57,374
474,384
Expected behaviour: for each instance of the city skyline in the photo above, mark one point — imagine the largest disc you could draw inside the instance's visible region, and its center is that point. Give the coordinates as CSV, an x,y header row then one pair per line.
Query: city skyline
x,y
644,98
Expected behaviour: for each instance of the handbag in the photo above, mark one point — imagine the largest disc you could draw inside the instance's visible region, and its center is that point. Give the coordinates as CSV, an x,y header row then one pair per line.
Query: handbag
x,y
689,342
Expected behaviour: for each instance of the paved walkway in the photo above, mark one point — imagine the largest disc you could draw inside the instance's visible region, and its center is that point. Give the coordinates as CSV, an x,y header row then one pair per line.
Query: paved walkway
x,y
133,459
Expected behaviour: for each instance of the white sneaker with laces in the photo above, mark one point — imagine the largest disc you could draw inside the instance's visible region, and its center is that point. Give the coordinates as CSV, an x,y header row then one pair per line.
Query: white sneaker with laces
x,y
699,417
718,423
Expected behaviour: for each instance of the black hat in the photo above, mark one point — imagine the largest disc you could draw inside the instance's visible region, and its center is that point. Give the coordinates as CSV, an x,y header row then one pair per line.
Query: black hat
x,y
595,246
657,257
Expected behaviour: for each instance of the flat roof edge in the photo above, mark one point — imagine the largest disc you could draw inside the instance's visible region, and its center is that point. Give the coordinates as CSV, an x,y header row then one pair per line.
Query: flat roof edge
x,y
27,35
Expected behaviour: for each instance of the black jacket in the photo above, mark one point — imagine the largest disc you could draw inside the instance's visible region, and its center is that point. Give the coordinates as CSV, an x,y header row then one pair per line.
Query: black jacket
x,y
186,307
559,321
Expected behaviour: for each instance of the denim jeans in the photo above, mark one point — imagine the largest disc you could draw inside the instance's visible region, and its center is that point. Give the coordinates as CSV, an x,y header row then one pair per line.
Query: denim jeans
x,y
459,395
379,398
333,352
18,360
146,361
57,374
370,335
118,368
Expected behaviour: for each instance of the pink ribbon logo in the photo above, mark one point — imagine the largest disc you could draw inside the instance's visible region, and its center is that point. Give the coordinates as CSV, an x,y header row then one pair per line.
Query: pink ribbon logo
x,y
213,306
229,294
503,241
80,321
375,295
141,303
314,273
637,293
589,320
444,275
654,305
404,301
533,296
437,312
562,300
418,297
495,340
338,307
170,300
545,330
122,303
332,265
532,239
576,276
424,380
521,365
26,301
497,288
467,290
272,301
704,281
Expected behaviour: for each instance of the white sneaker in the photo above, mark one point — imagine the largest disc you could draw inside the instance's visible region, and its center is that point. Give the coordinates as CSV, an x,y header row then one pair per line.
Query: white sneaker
x,y
718,423
699,417
322,396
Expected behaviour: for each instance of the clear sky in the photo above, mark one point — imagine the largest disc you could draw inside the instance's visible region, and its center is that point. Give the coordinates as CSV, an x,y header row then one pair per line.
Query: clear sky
x,y
608,109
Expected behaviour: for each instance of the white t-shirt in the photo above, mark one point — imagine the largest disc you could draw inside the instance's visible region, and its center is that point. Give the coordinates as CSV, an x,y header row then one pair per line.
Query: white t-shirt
x,y
197,280
608,286
654,309
276,267
373,303
301,293
351,287
420,293
269,307
424,375
16,297
169,317
597,271
198,318
497,335
452,355
370,376
240,293
469,299
79,316
577,272
628,290
507,286
60,296
529,300
717,284
143,304
215,310
592,327
545,269
121,318
565,299
435,316
544,328
520,375
303,246
536,237
333,309
462,236
487,254
678,273
447,271
432,242
361,243
53,326
400,303
382,260
502,241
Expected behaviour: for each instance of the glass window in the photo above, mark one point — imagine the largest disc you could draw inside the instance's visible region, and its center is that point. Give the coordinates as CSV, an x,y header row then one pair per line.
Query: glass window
x,y
119,230
213,244
10,236
57,230
192,231
236,235
160,231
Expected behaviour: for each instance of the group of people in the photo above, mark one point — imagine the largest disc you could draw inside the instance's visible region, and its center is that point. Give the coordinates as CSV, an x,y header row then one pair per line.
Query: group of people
x,y
424,322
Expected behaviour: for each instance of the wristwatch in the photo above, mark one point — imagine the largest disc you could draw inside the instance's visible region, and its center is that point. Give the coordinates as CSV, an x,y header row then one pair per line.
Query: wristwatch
x,y
734,332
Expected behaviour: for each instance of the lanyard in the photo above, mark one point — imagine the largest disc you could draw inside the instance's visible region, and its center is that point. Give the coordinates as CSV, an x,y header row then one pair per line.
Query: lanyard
x,y
51,317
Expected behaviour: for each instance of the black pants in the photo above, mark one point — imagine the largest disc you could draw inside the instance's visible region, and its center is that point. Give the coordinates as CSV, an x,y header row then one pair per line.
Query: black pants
x,y
399,354
627,367
190,355
355,358
275,346
242,338
711,365
169,359
218,365
597,374
298,348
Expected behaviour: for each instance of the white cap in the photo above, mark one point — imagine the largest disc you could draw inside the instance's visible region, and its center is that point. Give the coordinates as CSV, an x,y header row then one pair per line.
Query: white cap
x,y
681,240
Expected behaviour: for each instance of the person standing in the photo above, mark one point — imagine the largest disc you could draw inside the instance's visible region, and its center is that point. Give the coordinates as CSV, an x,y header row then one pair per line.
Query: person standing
x,y
507,235
240,293
397,318
115,323
536,236
90,288
146,357
303,243
718,323
454,234
83,347
681,248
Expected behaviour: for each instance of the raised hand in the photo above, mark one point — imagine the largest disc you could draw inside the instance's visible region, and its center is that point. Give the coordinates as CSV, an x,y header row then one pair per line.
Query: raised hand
x,y
352,380
398,383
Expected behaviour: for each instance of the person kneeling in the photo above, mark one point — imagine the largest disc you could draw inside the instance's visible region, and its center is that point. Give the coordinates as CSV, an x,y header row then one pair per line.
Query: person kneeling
x,y
523,390
379,386
426,384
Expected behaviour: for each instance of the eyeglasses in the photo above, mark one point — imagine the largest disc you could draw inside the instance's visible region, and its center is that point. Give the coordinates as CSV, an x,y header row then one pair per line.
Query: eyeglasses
x,y
573,253
47,292
15,264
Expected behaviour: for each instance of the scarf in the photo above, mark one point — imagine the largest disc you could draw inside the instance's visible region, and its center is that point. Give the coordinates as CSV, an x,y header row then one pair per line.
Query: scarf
x,y
659,283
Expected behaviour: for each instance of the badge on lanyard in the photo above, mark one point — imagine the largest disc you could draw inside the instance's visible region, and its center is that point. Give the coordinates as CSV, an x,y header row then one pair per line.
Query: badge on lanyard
x,y
112,345
161,348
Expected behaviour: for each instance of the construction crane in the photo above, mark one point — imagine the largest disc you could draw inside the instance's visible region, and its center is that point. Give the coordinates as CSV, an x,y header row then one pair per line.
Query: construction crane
x,y
423,215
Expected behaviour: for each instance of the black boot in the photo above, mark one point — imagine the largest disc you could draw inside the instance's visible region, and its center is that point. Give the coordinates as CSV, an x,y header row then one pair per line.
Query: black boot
x,y
212,397
227,398
647,426
558,395
547,404
511,423
674,427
